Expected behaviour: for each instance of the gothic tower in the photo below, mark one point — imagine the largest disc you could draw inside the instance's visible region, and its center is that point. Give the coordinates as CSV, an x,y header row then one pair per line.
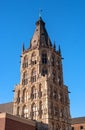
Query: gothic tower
x,y
41,94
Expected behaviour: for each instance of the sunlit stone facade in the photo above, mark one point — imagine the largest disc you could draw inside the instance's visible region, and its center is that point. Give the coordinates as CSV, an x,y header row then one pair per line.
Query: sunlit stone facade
x,y
41,94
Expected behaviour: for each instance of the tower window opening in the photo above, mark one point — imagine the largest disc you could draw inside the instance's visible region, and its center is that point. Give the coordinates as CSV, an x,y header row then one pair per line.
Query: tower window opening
x,y
33,78
34,92
25,95
18,111
72,128
44,58
34,112
33,59
25,62
81,128
40,109
25,112
18,97
25,78
40,91
44,71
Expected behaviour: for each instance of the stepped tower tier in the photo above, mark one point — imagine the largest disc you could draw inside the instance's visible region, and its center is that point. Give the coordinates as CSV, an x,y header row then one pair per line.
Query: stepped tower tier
x,y
41,94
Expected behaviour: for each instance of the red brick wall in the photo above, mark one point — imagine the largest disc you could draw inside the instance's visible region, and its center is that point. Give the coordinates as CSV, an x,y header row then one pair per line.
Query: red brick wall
x,y
15,125
2,123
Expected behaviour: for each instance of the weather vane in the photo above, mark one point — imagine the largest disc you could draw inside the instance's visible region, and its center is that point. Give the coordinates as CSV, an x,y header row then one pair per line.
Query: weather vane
x,y
40,12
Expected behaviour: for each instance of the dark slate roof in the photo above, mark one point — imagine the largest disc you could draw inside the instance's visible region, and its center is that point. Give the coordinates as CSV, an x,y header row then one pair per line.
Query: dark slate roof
x,y
40,37
78,120
6,107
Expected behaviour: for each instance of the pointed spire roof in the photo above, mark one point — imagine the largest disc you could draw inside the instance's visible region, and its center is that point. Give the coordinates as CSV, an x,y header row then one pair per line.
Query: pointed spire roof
x,y
40,37
59,50
23,48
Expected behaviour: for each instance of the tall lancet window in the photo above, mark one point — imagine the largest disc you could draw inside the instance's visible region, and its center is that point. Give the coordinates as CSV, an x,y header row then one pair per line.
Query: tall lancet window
x,y
44,58
34,111
25,112
33,78
25,62
33,58
25,78
25,95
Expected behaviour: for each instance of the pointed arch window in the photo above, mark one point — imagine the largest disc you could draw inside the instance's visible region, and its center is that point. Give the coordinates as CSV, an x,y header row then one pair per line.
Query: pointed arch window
x,y
18,111
25,62
33,78
44,58
25,95
33,58
18,96
40,109
34,111
44,71
40,90
34,92
25,112
25,78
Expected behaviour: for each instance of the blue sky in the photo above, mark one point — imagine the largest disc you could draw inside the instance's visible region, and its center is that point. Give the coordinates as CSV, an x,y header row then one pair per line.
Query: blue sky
x,y
65,23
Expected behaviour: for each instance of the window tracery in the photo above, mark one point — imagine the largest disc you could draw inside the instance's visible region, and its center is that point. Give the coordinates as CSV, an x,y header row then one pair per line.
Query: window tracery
x,y
44,58
33,78
18,96
25,78
25,112
44,71
25,62
34,92
34,111
33,58
18,111
25,95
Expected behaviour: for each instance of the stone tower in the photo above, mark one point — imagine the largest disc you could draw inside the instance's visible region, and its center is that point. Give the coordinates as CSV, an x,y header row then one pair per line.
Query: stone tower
x,y
41,94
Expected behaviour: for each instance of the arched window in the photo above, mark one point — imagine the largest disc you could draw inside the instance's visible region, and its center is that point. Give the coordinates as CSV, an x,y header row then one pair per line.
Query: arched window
x,y
25,112
25,95
25,78
18,96
25,62
40,90
34,92
40,109
44,58
18,111
44,71
33,78
33,59
34,111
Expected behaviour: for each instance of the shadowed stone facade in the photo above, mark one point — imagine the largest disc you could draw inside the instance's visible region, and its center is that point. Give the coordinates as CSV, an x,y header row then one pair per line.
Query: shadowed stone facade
x,y
41,94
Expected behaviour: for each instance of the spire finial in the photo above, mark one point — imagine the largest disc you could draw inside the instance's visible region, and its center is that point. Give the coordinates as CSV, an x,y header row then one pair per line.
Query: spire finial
x,y
54,46
40,13
23,48
59,50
